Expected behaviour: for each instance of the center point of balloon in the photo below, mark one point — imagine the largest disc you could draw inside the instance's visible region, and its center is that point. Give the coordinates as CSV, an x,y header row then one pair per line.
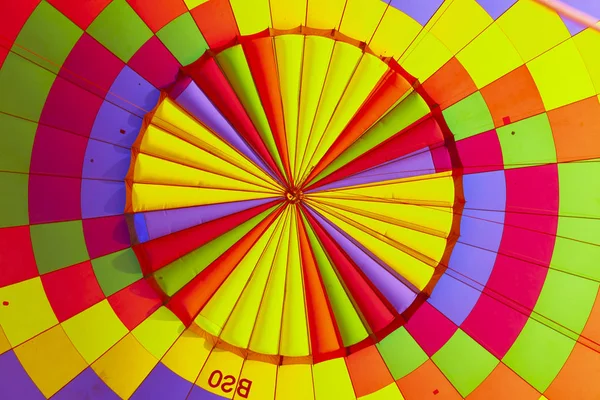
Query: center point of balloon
x,y
294,195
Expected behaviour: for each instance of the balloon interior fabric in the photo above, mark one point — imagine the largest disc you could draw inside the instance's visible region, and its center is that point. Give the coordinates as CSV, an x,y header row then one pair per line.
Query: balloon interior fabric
x,y
299,199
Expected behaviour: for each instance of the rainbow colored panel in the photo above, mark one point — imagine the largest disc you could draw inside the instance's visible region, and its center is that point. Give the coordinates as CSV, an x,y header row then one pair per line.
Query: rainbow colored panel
x,y
299,199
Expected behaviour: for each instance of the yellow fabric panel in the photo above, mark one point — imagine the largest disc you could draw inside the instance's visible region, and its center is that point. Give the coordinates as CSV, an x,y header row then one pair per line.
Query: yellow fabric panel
x,y
95,330
28,312
188,354
149,169
4,343
263,376
344,61
454,34
414,270
50,360
290,50
125,366
426,55
532,28
288,14
227,363
159,331
561,76
390,392
317,54
238,328
146,197
294,328
191,4
294,382
368,73
171,118
394,34
490,56
267,330
215,313
156,142
251,16
588,44
325,14
361,18
332,381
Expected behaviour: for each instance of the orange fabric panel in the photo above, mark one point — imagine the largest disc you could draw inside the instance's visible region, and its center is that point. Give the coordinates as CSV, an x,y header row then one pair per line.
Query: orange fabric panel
x,y
503,383
450,84
324,335
575,128
427,383
514,96
216,22
368,371
579,377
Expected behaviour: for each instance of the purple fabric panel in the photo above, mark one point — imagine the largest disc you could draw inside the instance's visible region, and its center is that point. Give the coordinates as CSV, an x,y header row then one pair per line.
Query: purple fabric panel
x,y
161,384
414,164
420,10
164,222
86,385
453,298
14,381
590,7
397,293
105,161
102,198
198,393
197,104
471,265
115,125
133,93
496,7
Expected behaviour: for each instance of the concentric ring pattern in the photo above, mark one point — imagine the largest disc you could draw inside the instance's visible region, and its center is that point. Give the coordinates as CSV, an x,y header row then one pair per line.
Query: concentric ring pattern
x,y
298,199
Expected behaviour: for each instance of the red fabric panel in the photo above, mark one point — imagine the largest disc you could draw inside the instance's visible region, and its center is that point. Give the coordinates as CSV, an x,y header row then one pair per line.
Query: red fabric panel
x,y
213,83
261,60
72,290
481,153
430,328
324,335
54,199
105,235
420,135
17,262
376,313
155,63
12,19
135,303
57,152
389,90
156,253
188,302
158,13
216,22
80,12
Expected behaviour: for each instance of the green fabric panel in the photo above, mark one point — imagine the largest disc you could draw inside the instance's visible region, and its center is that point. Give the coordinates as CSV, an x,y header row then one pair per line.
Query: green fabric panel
x,y
567,299
411,109
531,144
14,209
177,274
183,39
465,362
120,29
349,323
58,245
401,353
117,270
235,67
47,37
16,143
24,87
538,354
578,197
469,117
